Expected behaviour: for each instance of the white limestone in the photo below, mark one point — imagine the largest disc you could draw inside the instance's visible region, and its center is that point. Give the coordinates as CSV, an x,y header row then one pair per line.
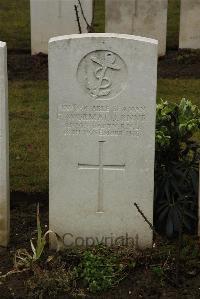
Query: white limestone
x,y
4,150
102,127
146,18
199,205
189,36
51,18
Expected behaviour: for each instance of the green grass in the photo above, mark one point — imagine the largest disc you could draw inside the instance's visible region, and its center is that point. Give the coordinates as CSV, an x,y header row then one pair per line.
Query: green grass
x,y
28,100
173,24
28,106
15,23
176,89
28,110
99,16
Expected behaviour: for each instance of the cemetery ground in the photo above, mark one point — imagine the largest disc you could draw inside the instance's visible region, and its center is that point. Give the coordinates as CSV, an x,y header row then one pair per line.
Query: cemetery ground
x,y
137,274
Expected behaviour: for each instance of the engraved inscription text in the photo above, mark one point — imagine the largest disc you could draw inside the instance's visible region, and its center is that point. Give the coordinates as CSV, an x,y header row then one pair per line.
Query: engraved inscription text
x,y
102,120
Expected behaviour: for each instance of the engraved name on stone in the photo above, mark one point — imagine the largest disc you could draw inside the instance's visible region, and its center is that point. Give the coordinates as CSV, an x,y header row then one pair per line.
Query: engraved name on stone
x,y
102,120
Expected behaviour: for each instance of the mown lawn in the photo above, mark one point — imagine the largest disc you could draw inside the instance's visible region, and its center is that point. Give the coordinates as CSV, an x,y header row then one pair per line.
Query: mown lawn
x,y
28,100
173,24
15,22
28,105
28,111
99,16
176,89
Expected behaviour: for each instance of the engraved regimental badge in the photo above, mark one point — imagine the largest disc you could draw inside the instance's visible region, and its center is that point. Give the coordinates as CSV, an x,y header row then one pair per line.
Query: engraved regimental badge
x,y
102,74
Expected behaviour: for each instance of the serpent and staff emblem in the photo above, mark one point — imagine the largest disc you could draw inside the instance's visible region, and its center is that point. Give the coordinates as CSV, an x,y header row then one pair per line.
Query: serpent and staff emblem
x,y
104,83
102,74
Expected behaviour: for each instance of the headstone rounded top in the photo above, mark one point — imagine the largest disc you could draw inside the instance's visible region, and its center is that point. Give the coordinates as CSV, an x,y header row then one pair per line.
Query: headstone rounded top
x,y
4,150
2,44
102,90
103,35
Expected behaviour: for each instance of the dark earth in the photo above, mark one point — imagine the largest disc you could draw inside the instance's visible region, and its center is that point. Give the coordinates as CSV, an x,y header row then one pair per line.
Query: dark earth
x,y
176,64
141,282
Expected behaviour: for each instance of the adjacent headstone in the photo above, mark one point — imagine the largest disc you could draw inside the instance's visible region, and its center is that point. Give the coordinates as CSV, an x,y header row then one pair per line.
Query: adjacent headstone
x,y
51,18
102,127
4,150
146,18
199,205
189,37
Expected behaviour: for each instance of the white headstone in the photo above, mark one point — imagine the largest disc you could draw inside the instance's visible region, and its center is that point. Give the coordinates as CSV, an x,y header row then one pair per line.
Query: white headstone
x,y
146,18
199,205
4,150
190,24
102,127
51,18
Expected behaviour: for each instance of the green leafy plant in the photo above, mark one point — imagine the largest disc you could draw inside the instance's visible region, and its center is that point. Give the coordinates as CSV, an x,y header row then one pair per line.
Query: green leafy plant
x,y
159,273
176,167
99,272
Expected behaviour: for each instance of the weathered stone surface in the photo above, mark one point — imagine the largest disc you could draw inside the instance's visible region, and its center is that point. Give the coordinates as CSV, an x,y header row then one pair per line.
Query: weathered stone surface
x,y
199,205
189,36
51,18
140,17
102,127
4,150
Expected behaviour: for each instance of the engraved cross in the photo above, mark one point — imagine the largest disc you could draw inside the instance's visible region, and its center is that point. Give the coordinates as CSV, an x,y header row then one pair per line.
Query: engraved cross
x,y
101,167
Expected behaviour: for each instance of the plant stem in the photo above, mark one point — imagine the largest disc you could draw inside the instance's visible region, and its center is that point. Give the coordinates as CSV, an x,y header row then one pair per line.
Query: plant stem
x,y
77,19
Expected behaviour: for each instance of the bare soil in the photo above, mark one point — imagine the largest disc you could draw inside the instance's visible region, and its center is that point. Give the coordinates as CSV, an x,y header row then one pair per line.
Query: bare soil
x,y
175,64
140,283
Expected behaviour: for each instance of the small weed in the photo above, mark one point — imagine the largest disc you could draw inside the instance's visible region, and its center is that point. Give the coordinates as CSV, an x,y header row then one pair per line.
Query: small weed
x,y
22,258
190,249
159,273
